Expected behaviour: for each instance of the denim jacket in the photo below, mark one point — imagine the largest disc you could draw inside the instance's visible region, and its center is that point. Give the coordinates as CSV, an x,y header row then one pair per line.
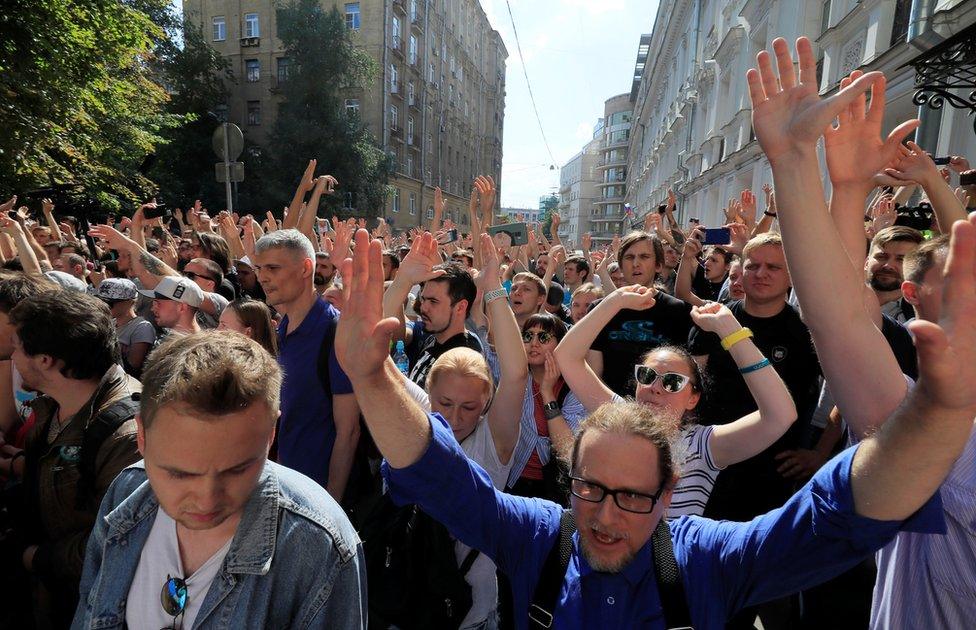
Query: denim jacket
x,y
295,561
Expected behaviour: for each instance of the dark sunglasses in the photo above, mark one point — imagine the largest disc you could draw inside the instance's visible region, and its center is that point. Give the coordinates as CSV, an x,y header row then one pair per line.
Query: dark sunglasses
x,y
193,276
671,381
173,598
543,336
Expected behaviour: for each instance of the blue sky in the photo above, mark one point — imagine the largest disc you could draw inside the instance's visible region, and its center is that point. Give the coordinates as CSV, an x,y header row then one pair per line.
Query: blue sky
x,y
578,53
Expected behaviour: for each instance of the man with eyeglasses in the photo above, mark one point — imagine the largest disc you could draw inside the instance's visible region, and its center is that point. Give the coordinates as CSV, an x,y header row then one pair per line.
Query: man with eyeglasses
x,y
624,471
205,532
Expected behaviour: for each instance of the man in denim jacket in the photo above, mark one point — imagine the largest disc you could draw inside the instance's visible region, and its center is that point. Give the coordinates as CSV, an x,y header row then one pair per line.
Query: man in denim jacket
x,y
239,541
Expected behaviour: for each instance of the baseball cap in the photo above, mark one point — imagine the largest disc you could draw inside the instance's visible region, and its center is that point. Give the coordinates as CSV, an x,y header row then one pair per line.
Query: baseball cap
x,y
244,261
116,289
178,289
66,281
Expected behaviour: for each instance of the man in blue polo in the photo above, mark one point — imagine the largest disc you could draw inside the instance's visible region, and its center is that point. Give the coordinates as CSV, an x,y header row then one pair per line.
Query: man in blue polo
x,y
623,471
319,427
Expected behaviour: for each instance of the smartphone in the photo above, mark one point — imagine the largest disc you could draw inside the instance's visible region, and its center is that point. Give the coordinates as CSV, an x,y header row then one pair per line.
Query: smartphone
x,y
159,211
942,161
661,209
717,236
968,178
449,237
510,234
919,217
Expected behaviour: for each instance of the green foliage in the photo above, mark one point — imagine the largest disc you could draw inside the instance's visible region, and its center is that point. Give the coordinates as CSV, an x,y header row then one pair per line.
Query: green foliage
x,y
547,205
313,122
78,103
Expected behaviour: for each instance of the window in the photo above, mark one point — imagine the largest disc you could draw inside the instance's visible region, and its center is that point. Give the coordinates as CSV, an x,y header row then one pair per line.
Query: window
x,y
413,202
825,16
413,10
352,16
352,106
409,171
396,200
411,94
394,79
396,32
394,117
254,113
251,26
252,70
219,28
410,130
430,213
284,69
412,51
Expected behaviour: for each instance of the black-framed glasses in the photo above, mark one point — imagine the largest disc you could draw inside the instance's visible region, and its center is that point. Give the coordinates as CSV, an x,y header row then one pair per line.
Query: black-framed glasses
x,y
189,275
626,500
542,336
671,381
173,598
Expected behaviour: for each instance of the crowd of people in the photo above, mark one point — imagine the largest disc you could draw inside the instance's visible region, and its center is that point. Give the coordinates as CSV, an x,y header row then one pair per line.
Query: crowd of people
x,y
234,421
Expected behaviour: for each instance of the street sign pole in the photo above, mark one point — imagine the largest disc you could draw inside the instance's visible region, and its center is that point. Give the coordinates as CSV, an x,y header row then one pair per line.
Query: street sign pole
x,y
227,187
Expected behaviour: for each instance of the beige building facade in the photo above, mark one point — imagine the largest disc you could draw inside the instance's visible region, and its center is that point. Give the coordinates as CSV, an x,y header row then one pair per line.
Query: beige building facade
x,y
436,106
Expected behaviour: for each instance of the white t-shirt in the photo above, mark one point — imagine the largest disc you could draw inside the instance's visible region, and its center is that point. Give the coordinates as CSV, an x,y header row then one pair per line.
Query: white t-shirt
x,y
480,448
160,560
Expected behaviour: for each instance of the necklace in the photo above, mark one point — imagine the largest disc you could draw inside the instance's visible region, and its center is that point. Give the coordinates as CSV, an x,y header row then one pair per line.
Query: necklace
x,y
56,423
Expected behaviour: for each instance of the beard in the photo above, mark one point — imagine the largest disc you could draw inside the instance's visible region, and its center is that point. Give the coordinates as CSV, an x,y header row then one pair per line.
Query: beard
x,y
318,279
604,565
885,283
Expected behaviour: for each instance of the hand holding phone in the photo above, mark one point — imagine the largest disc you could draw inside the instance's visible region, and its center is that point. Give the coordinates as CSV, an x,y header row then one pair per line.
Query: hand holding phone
x,y
716,236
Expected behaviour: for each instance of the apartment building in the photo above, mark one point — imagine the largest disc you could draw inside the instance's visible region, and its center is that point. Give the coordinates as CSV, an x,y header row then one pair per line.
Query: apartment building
x,y
436,105
692,117
578,180
608,217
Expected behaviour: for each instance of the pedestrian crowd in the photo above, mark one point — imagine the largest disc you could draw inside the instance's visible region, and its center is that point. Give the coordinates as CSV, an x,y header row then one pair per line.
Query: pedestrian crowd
x,y
233,421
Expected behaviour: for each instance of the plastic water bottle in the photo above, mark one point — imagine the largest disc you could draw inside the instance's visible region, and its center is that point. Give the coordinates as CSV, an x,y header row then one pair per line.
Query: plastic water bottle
x,y
400,358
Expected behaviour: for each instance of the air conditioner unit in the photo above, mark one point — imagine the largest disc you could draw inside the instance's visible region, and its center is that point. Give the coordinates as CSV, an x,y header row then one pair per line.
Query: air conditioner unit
x,y
250,41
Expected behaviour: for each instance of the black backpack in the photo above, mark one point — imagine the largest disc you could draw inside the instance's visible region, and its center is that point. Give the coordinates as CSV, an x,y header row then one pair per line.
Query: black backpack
x,y
413,576
669,585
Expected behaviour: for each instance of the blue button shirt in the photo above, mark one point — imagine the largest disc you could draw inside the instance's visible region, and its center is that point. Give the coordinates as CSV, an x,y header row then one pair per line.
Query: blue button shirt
x,y
725,566
306,432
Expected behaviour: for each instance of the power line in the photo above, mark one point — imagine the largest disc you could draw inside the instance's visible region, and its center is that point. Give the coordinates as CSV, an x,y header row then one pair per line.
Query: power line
x,y
535,108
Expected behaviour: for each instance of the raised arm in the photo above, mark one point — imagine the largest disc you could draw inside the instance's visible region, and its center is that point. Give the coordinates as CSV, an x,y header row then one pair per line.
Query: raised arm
x,y
506,406
149,269
415,268
47,209
687,267
28,259
753,433
324,185
290,218
859,365
232,235
572,350
914,164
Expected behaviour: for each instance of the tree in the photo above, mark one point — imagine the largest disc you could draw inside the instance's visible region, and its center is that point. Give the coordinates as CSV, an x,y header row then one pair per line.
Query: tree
x,y
78,103
547,205
313,122
194,73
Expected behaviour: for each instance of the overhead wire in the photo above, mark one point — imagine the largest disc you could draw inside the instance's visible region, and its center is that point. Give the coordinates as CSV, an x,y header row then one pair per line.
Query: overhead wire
x,y
525,72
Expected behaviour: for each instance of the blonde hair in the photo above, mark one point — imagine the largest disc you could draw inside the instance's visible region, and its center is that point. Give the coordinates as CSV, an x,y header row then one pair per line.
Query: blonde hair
x,y
462,362
766,238
588,289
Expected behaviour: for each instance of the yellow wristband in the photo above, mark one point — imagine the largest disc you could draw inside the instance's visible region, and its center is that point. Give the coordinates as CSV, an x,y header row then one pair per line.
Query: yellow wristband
x,y
736,337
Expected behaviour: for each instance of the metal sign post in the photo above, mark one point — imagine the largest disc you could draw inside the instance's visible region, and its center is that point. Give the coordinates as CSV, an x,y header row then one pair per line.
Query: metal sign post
x,y
228,142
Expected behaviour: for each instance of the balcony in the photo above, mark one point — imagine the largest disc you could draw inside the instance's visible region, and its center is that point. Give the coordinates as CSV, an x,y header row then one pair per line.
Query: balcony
x,y
611,163
250,42
615,144
396,132
397,46
401,6
396,89
602,201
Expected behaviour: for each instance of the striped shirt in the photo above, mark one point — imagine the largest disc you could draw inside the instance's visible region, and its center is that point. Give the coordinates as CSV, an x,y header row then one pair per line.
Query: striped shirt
x,y
929,580
698,472
529,439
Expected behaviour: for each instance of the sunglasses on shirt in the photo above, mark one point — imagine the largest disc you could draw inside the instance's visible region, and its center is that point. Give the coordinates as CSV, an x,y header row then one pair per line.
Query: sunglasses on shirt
x,y
672,382
173,599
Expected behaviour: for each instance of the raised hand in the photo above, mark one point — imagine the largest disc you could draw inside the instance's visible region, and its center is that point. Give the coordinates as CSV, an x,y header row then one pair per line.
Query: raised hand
x,y
363,336
111,237
947,349
959,164
634,297
716,318
913,165
550,377
8,205
883,213
343,236
556,220
489,276
738,237
308,177
558,256
692,247
748,206
652,221
47,206
587,242
487,192
790,117
605,259
672,202
418,265
9,226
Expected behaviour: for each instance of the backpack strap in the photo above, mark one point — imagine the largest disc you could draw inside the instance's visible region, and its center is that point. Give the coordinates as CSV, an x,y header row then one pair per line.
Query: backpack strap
x,y
669,585
468,562
543,605
98,430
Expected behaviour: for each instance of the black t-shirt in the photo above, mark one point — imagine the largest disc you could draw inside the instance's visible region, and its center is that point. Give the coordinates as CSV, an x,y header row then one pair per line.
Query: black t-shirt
x,y
704,288
901,344
630,334
430,351
753,487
